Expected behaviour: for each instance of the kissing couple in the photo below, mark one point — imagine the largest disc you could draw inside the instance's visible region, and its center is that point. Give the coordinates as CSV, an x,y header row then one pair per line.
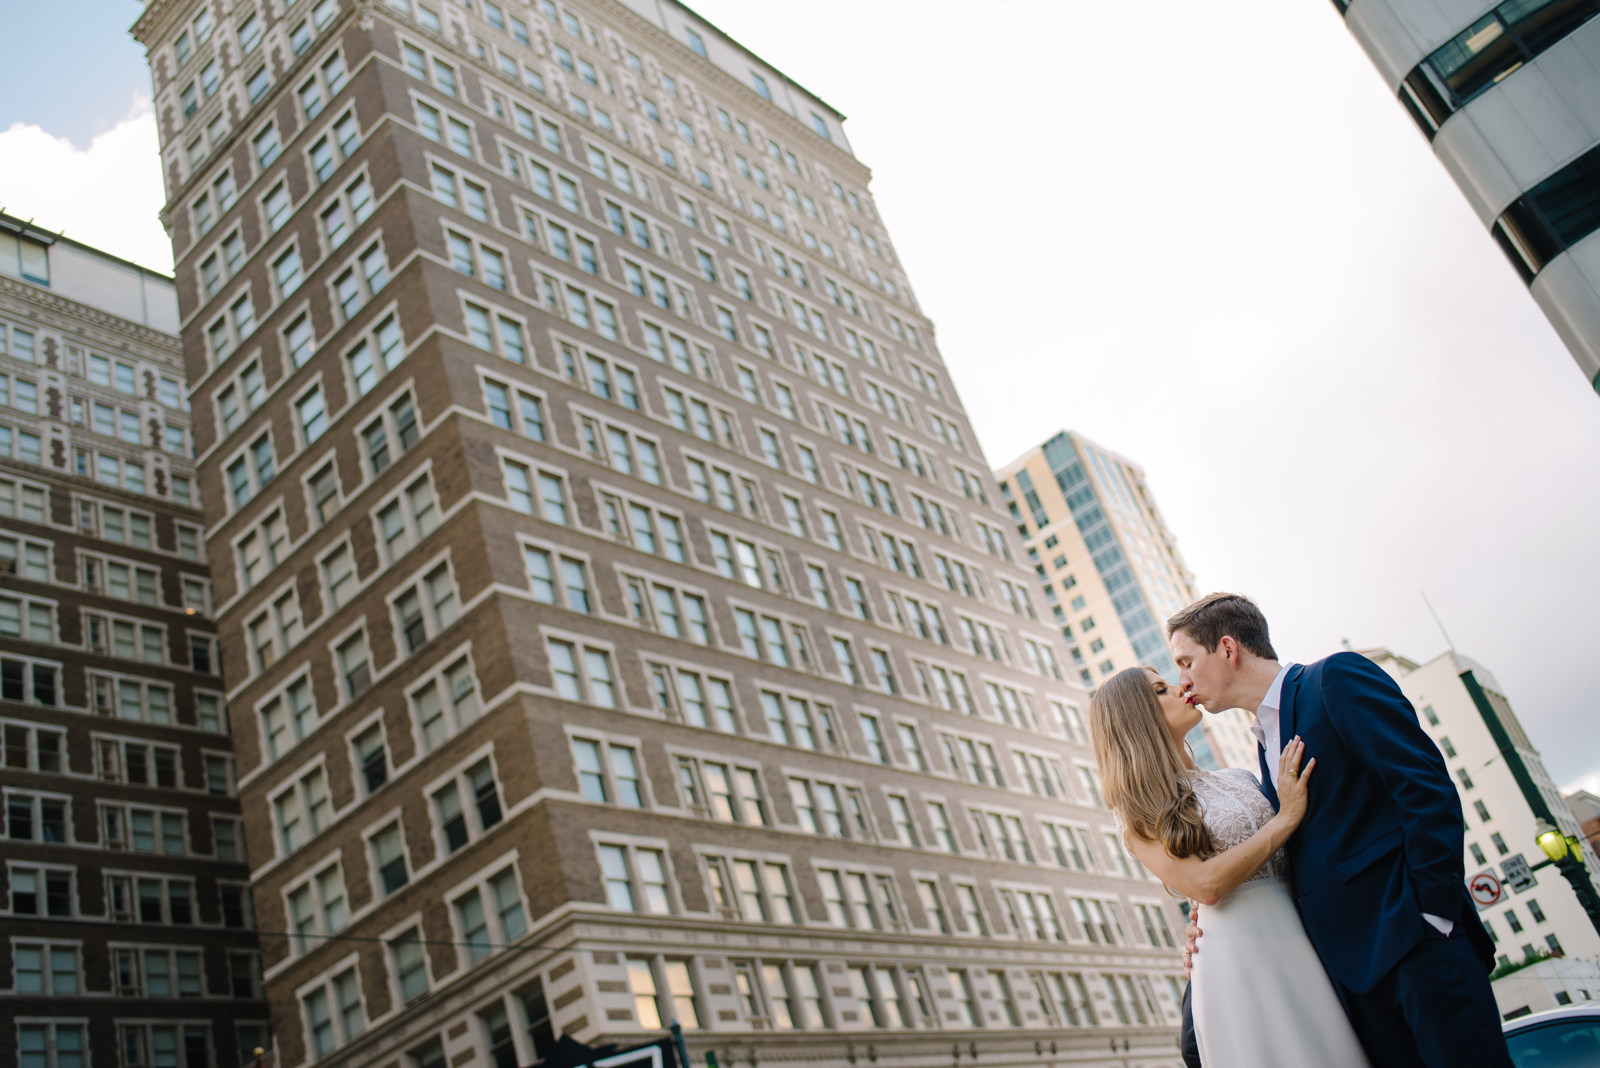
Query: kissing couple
x,y
1338,928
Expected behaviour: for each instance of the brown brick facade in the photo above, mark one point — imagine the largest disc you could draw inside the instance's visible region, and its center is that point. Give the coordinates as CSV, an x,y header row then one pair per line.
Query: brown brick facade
x,y
125,920
562,528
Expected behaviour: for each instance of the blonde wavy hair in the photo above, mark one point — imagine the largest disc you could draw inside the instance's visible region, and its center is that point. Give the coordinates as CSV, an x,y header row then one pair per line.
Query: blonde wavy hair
x,y
1141,768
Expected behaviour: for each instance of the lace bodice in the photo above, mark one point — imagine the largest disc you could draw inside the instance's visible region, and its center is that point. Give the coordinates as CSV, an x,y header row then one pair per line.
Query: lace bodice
x,y
1234,809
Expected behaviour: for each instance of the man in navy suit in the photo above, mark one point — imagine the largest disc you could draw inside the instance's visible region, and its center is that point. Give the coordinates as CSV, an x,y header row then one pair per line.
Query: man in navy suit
x,y
1377,863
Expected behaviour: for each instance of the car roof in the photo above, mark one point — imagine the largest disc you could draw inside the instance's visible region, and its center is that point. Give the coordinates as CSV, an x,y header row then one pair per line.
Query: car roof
x,y
1585,1010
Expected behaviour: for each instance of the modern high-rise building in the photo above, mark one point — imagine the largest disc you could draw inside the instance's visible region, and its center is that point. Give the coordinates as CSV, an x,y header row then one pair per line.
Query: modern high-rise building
x,y
1508,94
125,923
1110,571
618,622
1546,918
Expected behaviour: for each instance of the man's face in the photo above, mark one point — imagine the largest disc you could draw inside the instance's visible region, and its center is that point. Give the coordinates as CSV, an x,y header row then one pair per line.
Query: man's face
x,y
1204,674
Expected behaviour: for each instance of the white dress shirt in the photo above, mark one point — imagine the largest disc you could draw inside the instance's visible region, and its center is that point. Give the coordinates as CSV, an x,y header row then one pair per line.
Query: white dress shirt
x,y
1265,724
1265,728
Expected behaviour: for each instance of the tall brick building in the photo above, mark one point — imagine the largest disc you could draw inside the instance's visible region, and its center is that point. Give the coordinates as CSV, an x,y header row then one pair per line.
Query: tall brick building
x,y
125,920
618,618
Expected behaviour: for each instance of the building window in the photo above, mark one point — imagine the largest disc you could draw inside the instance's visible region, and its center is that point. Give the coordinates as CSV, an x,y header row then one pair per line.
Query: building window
x,y
635,878
491,916
582,673
535,492
557,579
317,907
370,750
410,964
446,703
731,794
51,1045
333,1012
1485,53
1554,215
608,773
389,859
663,990
425,608
467,806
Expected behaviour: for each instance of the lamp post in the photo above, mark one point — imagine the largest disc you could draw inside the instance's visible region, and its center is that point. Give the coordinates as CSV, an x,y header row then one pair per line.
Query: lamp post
x,y
1564,852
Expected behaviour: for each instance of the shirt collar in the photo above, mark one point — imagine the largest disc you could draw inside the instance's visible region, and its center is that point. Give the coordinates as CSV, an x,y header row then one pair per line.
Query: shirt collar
x,y
1270,705
1274,698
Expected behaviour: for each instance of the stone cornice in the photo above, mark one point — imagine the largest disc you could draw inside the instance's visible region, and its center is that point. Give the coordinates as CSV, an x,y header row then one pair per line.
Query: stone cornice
x,y
162,343
154,20
744,93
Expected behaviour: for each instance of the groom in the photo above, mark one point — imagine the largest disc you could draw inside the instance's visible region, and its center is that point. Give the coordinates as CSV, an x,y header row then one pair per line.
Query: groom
x,y
1377,863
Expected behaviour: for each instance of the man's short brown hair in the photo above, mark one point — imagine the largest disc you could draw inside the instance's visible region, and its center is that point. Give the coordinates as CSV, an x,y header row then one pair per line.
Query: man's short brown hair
x,y
1224,615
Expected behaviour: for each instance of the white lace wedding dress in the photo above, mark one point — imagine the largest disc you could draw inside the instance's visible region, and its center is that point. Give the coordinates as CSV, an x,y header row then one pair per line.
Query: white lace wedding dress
x,y
1261,998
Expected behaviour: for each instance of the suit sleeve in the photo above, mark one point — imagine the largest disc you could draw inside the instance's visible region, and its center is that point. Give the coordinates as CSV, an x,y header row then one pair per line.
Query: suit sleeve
x,y
1377,723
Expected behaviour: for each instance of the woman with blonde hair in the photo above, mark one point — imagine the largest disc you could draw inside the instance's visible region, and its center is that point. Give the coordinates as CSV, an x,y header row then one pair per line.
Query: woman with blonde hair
x,y
1261,998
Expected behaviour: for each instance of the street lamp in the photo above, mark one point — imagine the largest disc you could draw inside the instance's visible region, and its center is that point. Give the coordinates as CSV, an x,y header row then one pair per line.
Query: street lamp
x,y
1566,853
1551,840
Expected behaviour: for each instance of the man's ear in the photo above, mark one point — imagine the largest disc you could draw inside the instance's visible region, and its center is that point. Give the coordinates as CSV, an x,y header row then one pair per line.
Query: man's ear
x,y
1230,651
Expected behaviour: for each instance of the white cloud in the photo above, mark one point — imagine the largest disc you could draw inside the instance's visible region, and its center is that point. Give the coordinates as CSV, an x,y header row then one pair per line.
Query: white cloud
x,y
1589,782
107,195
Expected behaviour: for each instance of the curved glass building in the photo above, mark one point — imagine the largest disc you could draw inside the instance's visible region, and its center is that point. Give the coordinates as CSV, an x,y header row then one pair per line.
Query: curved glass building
x,y
1509,96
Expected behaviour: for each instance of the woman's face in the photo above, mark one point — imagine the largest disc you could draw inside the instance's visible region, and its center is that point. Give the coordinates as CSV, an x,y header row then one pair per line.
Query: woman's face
x,y
1180,715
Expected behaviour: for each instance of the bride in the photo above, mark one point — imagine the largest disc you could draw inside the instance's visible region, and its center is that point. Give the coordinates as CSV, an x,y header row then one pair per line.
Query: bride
x,y
1261,998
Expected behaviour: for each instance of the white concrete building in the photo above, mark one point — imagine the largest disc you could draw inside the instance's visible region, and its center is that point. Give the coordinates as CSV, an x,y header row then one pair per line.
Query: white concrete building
x,y
1509,96
1500,824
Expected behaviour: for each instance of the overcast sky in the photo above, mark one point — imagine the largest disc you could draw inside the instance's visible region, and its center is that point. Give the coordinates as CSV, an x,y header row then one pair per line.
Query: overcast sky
x,y
1207,238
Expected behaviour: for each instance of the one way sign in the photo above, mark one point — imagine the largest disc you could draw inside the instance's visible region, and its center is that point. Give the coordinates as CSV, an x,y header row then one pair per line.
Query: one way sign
x,y
1518,875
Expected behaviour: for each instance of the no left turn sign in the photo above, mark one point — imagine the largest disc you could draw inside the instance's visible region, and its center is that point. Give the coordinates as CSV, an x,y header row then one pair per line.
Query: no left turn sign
x,y
1485,888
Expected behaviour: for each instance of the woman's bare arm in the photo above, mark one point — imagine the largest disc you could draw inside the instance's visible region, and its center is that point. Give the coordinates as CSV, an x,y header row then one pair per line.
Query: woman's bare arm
x,y
1208,881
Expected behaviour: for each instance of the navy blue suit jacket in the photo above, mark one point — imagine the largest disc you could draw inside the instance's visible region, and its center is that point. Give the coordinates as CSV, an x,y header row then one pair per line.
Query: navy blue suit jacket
x,y
1381,842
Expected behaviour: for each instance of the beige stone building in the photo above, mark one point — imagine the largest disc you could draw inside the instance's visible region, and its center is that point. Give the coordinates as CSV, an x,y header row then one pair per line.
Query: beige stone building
x,y
1110,571
619,621
125,919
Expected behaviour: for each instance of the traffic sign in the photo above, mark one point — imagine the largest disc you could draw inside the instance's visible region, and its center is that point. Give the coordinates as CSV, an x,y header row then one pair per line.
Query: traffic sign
x,y
1518,875
1486,889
